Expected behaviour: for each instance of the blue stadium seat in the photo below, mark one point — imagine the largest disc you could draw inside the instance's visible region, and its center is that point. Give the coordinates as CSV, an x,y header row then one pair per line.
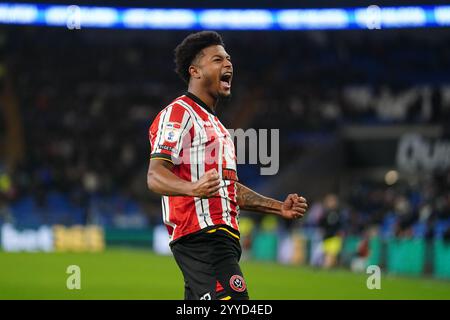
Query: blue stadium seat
x,y
419,230
23,206
440,227
388,225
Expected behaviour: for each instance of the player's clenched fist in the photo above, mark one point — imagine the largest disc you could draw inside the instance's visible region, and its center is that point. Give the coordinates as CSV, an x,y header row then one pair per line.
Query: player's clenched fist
x,y
293,207
207,186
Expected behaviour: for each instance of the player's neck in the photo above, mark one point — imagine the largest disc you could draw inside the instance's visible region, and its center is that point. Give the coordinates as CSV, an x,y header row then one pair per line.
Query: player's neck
x,y
205,97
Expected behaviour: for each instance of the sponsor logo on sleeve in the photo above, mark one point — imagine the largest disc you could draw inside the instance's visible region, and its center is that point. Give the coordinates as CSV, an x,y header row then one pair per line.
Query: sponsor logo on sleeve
x,y
172,131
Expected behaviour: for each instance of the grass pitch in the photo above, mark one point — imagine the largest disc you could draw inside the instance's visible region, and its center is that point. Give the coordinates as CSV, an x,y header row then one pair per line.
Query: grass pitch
x,y
140,274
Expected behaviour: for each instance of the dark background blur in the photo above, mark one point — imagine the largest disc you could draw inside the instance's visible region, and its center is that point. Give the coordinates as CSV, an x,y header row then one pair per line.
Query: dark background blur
x,y
76,107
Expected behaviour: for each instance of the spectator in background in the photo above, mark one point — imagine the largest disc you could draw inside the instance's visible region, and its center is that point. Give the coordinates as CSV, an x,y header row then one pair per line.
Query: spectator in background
x,y
6,194
67,110
331,223
359,261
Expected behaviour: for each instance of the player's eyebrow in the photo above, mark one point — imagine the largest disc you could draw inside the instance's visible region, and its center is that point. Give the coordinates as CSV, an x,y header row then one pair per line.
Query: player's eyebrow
x,y
221,57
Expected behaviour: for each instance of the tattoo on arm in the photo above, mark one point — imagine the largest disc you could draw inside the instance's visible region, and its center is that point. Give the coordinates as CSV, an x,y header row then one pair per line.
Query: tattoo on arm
x,y
250,200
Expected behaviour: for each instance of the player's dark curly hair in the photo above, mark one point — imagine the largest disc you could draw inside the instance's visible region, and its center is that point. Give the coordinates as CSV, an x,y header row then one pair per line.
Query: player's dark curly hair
x,y
187,50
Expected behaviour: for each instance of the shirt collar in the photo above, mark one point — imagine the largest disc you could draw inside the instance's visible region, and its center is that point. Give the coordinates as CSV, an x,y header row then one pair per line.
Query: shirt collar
x,y
199,101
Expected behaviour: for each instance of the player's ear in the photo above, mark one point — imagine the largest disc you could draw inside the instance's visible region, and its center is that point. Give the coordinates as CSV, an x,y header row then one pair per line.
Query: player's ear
x,y
194,71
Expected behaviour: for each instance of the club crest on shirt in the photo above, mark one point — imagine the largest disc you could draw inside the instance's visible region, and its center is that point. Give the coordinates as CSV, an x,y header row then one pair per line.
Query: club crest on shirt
x,y
172,131
237,283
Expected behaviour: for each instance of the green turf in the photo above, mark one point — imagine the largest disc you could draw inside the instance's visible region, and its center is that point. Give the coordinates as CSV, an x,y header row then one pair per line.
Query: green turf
x,y
136,274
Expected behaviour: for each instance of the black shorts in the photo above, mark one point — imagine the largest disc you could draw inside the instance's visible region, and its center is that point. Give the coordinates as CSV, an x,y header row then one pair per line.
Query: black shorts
x,y
209,261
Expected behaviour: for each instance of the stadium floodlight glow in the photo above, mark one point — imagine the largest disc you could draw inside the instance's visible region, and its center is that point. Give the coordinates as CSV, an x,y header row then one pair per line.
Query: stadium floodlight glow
x,y
56,16
392,17
18,13
98,16
372,17
313,19
442,15
87,16
397,17
236,19
159,18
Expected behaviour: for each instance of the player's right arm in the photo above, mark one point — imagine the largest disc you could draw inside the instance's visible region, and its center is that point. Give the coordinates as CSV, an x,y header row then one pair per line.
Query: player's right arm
x,y
168,134
161,180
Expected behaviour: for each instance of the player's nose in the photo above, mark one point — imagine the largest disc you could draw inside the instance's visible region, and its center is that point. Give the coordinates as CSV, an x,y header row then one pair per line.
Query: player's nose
x,y
228,64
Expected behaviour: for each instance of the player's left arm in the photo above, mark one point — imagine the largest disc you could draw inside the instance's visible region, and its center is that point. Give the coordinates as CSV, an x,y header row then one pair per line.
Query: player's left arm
x,y
293,207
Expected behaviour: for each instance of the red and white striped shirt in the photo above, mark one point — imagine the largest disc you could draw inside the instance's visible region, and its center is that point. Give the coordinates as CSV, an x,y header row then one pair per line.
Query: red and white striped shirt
x,y
190,135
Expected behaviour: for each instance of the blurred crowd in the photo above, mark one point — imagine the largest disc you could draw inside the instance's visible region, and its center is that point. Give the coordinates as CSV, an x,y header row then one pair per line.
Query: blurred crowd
x,y
87,98
419,209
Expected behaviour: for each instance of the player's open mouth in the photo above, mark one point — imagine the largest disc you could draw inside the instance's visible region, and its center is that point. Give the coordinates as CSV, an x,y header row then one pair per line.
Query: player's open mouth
x,y
225,80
